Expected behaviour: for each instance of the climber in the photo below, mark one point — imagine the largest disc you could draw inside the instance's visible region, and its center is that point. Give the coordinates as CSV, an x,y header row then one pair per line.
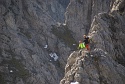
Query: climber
x,y
81,45
86,41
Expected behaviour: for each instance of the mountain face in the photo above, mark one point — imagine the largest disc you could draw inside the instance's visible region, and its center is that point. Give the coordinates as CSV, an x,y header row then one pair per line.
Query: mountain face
x,y
105,64
36,40
80,13
27,41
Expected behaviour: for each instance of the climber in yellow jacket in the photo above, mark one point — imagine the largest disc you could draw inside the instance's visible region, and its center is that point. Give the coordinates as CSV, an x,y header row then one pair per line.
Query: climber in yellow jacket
x,y
81,45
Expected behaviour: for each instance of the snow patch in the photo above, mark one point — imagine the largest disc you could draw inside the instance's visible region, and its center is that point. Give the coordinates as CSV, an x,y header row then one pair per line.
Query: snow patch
x,y
54,56
74,83
11,71
45,46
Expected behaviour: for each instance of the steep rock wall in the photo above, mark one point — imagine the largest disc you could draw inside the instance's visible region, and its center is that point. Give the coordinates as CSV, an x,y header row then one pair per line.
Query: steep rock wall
x,y
80,13
105,64
25,29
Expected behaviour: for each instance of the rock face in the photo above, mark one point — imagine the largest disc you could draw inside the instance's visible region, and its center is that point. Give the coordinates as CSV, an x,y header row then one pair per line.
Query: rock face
x,y
80,14
26,42
36,40
105,64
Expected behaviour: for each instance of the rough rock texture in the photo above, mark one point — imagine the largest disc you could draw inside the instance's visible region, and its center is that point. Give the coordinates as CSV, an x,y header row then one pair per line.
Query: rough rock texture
x,y
105,64
32,30
80,14
25,29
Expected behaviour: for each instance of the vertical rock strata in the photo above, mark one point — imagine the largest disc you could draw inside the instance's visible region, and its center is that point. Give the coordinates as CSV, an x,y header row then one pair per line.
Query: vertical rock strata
x,y
105,64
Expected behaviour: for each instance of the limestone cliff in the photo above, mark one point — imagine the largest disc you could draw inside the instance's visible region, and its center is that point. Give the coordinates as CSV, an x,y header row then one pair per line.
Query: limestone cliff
x,y
27,41
36,40
105,64
80,13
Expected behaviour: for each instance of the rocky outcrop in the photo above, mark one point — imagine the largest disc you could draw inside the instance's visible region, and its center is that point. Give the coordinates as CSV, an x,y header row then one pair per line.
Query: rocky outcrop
x,y
105,64
27,41
35,43
80,13
119,7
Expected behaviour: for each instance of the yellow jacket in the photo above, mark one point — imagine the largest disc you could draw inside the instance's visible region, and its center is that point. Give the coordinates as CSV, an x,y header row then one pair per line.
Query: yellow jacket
x,y
81,46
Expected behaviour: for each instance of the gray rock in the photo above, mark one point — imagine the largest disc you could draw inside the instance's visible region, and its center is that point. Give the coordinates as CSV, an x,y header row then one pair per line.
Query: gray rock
x,y
26,26
25,29
103,64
